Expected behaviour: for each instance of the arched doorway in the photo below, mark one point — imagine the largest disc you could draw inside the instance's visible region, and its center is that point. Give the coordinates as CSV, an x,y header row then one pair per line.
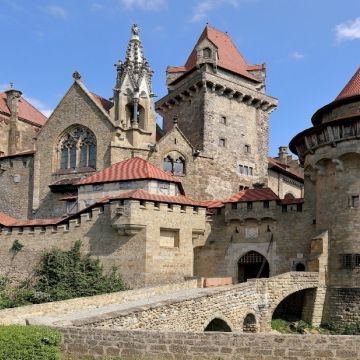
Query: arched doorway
x,y
218,325
249,324
300,267
252,265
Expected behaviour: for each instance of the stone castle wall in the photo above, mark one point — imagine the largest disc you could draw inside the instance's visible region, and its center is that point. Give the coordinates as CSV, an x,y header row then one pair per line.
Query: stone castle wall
x,y
16,176
131,345
121,234
231,233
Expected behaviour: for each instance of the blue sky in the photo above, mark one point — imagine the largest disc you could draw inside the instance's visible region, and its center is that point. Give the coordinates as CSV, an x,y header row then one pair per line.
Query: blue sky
x,y
311,47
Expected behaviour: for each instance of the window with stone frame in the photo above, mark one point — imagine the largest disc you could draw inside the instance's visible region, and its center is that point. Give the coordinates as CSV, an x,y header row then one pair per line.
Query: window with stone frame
x,y
77,149
174,164
350,261
222,142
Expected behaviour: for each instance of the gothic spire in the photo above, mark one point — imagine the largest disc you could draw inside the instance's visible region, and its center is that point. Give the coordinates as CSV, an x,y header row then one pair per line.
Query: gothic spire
x,y
135,65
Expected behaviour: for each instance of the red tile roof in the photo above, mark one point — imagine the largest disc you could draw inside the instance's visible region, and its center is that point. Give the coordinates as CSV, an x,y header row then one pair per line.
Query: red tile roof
x,y
104,103
229,56
6,220
213,204
285,169
27,112
252,195
131,169
352,88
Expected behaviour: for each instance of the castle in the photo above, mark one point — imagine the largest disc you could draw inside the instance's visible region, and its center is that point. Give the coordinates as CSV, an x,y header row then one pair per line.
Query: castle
x,y
200,196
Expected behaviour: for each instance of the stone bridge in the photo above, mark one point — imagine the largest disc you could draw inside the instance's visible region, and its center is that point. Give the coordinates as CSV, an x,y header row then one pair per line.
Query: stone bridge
x,y
243,307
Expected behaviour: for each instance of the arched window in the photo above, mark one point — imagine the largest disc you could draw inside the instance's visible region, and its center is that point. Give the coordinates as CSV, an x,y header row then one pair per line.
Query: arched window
x,y
299,267
207,52
174,164
77,149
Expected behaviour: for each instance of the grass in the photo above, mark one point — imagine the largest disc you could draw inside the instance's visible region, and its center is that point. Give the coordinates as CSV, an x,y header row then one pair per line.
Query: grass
x,y
29,342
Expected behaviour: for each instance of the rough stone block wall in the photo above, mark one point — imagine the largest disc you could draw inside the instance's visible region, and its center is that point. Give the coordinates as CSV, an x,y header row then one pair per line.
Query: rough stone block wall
x,y
125,236
342,307
232,305
131,345
16,188
227,240
20,314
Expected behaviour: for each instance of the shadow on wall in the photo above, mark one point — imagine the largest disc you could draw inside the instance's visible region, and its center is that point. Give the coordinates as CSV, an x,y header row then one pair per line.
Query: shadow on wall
x,y
218,325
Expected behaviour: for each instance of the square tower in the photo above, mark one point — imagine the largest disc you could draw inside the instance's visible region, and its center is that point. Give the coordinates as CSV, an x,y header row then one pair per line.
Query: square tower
x,y
222,108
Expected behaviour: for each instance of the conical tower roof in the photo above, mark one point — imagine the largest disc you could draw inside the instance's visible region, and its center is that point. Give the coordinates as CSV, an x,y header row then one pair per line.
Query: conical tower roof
x,y
352,88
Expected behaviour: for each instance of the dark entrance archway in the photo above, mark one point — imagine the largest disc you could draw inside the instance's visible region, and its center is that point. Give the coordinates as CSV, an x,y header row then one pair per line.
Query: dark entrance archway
x,y
252,265
218,325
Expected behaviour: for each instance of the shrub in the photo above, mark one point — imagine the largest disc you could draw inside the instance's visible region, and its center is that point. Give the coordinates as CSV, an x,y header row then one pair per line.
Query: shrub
x,y
29,342
66,274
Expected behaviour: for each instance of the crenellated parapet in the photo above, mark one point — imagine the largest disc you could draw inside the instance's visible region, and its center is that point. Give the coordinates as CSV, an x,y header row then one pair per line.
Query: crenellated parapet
x,y
206,82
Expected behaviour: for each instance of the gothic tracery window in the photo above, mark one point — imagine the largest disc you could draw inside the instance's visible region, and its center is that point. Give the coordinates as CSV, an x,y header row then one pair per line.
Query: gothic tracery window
x,y
77,149
174,164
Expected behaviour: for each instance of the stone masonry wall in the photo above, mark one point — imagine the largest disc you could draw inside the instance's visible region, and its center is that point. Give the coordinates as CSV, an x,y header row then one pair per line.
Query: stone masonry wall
x,y
131,345
16,175
75,108
20,314
121,234
259,297
232,233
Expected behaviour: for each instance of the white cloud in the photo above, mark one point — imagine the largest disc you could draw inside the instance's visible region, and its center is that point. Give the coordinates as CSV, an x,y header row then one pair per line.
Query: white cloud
x,y
38,104
348,30
204,7
297,55
57,11
147,5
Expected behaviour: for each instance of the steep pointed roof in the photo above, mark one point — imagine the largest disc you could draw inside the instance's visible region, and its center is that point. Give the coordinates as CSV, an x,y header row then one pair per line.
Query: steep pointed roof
x,y
27,112
132,169
229,56
352,88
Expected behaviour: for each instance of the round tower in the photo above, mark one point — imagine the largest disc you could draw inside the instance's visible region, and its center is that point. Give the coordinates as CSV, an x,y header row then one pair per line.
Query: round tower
x,y
330,154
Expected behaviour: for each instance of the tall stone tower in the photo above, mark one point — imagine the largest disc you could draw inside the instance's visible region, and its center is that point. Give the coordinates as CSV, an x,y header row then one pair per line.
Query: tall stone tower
x,y
133,110
330,154
221,106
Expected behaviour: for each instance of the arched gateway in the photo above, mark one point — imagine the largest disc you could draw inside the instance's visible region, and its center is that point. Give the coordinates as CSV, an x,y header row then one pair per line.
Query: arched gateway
x,y
252,265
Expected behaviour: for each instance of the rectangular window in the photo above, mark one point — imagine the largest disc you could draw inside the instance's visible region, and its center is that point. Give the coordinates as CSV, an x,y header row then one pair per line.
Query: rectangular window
x,y
350,261
218,211
284,208
355,201
222,142
64,158
249,205
241,169
247,149
250,171
299,207
234,206
266,204
83,156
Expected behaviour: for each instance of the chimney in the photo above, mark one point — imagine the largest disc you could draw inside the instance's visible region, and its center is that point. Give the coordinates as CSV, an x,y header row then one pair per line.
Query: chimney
x,y
12,101
283,154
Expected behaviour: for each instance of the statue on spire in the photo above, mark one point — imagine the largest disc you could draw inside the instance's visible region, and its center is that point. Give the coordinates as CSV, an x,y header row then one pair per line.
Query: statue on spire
x,y
135,29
